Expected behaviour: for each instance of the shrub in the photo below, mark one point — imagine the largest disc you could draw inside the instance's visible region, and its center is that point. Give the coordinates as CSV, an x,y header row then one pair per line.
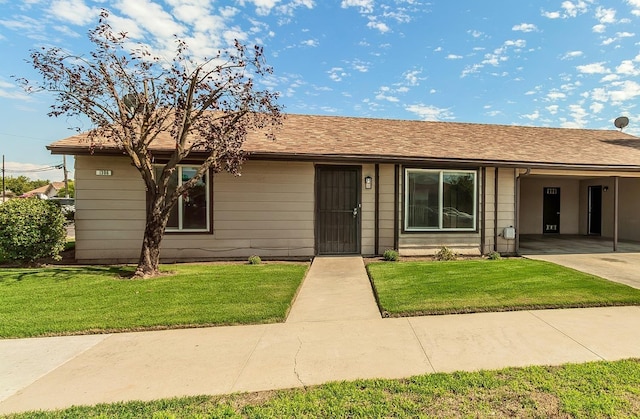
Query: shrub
x,y
445,254
31,229
390,255
255,260
494,256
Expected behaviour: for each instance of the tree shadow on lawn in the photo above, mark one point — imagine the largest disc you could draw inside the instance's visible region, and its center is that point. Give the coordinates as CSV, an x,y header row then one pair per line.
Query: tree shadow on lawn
x,y
63,274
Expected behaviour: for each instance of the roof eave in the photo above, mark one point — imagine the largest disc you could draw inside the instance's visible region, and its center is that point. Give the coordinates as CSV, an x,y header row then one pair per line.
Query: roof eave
x,y
359,158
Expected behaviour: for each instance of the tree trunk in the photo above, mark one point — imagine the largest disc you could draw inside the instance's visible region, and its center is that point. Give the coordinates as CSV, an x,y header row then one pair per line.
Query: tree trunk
x,y
153,233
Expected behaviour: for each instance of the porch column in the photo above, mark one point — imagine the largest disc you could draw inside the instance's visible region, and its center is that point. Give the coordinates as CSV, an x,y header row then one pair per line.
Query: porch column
x,y
615,212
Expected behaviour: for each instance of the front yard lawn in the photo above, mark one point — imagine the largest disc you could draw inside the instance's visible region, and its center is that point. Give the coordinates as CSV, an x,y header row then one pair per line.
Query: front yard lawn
x,y
465,286
591,390
74,300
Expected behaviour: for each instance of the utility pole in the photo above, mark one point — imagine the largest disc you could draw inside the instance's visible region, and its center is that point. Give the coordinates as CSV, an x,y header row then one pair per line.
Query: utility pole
x,y
4,191
66,178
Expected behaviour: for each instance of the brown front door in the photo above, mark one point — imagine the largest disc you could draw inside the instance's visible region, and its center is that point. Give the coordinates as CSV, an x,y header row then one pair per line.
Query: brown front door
x,y
337,209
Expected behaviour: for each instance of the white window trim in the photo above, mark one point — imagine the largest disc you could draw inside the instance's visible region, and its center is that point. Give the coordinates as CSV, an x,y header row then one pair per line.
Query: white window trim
x,y
441,173
180,206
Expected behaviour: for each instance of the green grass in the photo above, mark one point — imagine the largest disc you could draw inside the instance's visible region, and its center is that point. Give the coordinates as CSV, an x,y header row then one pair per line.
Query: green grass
x,y
464,286
69,300
593,390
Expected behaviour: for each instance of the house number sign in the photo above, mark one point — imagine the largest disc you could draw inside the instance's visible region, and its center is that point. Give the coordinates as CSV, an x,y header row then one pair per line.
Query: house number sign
x,y
103,172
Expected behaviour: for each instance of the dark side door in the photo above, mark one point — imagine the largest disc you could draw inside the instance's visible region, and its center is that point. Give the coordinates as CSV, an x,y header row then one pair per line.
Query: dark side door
x,y
595,210
338,210
551,211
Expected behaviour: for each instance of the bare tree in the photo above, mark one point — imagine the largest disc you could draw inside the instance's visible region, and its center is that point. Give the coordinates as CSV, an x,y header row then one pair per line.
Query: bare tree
x,y
131,96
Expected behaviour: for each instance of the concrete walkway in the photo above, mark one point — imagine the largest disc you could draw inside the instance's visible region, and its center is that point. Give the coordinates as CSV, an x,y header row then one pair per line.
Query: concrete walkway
x,y
336,288
48,373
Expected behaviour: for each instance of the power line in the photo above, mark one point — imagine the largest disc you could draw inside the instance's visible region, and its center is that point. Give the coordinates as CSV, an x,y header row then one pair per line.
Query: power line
x,y
34,170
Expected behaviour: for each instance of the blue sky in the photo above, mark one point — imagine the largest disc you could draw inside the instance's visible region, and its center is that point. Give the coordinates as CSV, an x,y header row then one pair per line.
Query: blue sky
x,y
573,63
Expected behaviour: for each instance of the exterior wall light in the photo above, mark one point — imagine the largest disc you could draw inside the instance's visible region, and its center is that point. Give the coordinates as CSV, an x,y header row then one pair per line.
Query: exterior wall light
x,y
368,182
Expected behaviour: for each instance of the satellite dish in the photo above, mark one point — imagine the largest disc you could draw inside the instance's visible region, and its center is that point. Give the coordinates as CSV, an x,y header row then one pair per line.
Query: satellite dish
x,y
621,122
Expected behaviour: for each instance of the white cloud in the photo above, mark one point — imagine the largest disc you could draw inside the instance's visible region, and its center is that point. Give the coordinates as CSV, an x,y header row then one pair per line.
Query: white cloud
x,y
627,67
599,28
552,109
593,68
366,6
337,74
596,107
495,58
525,27
569,9
263,7
532,116
625,90
555,95
572,54
289,8
572,9
552,15
453,57
11,91
310,43
619,36
430,112
579,115
475,33
635,6
151,17
73,11
609,77
383,94
380,26
605,15
412,77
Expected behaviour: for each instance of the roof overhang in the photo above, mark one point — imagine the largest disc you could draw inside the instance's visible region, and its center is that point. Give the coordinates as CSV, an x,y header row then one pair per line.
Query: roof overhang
x,y
368,158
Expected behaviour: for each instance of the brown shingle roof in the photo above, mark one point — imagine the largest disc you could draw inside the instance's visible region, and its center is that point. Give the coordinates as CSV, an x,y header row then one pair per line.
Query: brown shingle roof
x,y
314,137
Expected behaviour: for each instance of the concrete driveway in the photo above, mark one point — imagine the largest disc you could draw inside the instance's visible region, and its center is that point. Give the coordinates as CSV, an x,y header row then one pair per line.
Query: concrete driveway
x,y
590,255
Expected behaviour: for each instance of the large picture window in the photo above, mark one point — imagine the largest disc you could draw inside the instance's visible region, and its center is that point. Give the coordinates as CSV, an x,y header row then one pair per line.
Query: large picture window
x,y
440,200
191,212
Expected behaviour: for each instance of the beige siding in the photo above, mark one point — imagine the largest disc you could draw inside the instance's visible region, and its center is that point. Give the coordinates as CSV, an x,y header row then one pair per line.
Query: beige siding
x,y
109,209
506,208
368,212
385,207
268,211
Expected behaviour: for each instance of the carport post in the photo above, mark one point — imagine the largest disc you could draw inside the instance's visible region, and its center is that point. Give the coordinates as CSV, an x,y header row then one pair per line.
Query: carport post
x,y
615,213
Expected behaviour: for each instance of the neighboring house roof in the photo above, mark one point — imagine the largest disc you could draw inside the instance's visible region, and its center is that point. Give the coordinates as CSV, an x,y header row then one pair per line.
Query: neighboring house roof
x,y
49,190
405,141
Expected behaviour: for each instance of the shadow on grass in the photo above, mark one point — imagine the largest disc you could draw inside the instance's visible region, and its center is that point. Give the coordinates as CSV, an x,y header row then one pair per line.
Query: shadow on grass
x,y
62,274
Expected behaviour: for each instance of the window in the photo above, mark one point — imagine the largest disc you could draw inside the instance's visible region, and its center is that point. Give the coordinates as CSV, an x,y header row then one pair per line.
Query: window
x,y
191,212
440,200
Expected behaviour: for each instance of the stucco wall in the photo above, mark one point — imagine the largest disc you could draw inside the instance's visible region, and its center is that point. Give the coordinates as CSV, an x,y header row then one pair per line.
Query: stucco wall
x,y
531,204
629,207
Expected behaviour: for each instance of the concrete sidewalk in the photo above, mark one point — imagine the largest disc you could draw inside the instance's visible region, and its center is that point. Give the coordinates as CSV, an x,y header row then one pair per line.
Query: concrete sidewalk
x,y
48,373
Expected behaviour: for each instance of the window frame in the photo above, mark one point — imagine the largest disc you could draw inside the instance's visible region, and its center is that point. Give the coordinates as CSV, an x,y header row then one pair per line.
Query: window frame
x,y
179,204
441,173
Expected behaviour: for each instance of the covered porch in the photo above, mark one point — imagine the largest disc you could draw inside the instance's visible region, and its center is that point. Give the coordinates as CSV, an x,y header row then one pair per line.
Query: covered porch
x,y
577,211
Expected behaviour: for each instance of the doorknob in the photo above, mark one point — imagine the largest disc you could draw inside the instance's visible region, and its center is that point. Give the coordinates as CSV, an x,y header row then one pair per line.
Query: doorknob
x,y
355,212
